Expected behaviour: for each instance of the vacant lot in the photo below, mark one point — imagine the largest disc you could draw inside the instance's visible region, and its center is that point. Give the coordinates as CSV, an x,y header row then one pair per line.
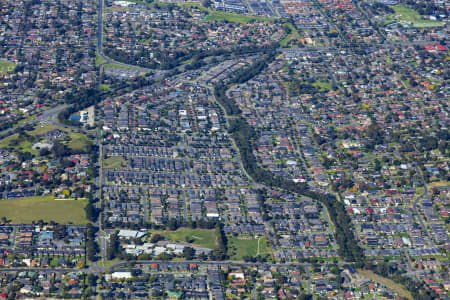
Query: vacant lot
x,y
387,282
225,16
26,210
238,248
197,237
114,162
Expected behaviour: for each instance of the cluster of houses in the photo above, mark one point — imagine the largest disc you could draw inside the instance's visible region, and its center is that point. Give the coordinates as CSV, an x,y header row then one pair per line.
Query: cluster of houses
x,y
36,284
388,222
49,51
179,180
26,176
163,34
304,13
223,71
42,245
367,121
169,286
283,282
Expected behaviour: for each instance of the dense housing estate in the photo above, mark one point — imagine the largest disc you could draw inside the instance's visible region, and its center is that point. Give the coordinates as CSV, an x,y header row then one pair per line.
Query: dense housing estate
x,y
284,149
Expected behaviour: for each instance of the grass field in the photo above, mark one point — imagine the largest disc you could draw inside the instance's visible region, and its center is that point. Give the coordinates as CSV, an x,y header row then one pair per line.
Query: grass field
x,y
387,282
114,162
324,85
199,237
79,142
5,142
438,184
6,67
22,146
109,263
26,210
406,83
139,2
294,35
116,66
98,59
44,128
231,17
105,87
238,248
403,13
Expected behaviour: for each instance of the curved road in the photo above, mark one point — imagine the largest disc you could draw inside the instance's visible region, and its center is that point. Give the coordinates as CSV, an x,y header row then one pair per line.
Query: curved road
x,y
44,117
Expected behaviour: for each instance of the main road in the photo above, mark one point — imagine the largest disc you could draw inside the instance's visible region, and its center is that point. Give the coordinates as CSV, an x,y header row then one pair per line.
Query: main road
x,y
416,211
46,116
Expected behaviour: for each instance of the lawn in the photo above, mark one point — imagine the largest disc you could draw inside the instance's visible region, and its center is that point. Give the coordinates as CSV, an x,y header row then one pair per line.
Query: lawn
x,y
403,13
231,17
387,282
79,142
114,162
197,237
6,67
26,210
238,248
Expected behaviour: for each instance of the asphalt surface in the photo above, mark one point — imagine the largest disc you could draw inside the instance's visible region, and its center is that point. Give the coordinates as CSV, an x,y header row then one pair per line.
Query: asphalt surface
x,y
42,118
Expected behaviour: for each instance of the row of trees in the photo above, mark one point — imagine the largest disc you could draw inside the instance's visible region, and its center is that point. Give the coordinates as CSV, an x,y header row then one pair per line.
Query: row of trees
x,y
91,245
418,289
113,249
221,251
79,99
172,224
148,58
